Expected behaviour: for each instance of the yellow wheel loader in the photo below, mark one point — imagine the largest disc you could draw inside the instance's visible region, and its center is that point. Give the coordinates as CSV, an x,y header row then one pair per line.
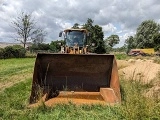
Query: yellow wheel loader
x,y
75,70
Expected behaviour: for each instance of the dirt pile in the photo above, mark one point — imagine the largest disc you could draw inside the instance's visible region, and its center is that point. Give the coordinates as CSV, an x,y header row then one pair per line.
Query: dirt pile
x,y
142,70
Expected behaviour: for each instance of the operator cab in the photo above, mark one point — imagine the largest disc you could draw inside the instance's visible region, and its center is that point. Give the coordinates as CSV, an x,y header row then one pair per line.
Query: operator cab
x,y
75,37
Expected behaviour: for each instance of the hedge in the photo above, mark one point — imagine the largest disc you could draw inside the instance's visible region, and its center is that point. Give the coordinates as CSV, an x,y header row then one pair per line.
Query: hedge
x,y
15,51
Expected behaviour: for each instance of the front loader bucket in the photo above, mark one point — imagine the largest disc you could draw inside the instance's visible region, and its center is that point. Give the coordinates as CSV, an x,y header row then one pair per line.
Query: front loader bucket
x,y
76,72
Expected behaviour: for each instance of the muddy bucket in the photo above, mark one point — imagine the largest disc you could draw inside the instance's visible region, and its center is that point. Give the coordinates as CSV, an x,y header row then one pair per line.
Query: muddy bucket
x,y
71,72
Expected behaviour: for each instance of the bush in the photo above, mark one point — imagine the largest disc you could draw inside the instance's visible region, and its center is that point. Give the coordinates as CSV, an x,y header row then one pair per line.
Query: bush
x,y
39,46
8,52
1,53
18,51
15,51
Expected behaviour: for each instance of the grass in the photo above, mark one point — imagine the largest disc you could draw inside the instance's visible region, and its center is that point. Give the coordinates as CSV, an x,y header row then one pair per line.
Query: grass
x,y
135,105
122,56
18,67
157,60
14,100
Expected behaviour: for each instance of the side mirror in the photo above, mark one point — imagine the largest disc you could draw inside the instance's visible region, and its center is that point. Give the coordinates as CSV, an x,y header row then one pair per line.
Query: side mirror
x,y
60,34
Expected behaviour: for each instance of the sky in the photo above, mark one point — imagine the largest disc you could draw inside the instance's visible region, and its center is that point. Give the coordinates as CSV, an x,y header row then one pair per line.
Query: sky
x,y
120,17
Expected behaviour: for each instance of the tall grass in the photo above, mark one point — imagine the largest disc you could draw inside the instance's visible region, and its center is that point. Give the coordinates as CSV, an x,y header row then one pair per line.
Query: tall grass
x,y
134,106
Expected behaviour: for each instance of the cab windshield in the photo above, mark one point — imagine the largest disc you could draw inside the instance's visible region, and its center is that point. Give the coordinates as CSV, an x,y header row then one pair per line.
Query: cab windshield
x,y
75,38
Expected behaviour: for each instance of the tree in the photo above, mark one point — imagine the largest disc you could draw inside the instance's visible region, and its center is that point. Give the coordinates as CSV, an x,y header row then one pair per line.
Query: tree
x,y
76,26
145,33
39,46
89,26
120,49
156,39
39,36
112,40
55,46
25,28
96,36
130,43
100,48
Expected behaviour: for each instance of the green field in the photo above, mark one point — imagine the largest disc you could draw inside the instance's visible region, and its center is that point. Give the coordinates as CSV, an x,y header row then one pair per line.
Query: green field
x,y
15,87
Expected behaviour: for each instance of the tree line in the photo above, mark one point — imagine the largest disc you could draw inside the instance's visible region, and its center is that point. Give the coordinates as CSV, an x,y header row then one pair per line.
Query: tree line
x,y
147,36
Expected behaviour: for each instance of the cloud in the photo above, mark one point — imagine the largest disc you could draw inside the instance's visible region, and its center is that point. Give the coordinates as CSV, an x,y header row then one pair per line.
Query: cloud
x,y
109,28
115,17
123,36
